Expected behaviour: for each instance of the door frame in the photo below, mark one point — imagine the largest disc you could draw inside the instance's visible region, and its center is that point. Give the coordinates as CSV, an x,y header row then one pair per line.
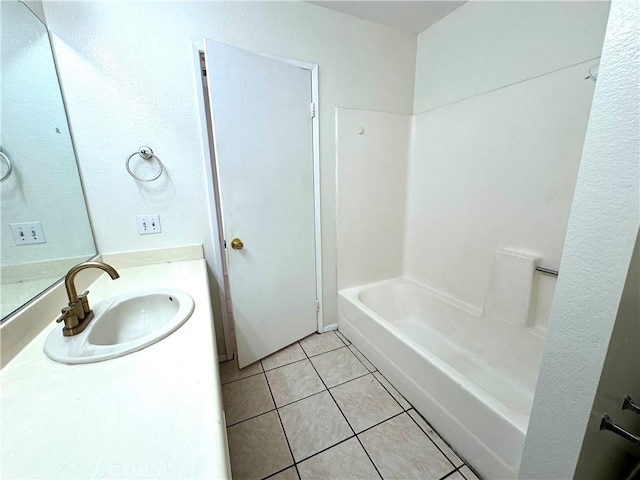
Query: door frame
x,y
219,264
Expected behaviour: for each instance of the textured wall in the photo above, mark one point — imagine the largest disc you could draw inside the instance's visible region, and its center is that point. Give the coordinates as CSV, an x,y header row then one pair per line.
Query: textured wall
x,y
603,454
600,238
372,184
127,72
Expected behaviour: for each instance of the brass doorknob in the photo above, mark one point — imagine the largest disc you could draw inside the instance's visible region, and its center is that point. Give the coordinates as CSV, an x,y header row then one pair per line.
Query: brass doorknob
x,y
237,244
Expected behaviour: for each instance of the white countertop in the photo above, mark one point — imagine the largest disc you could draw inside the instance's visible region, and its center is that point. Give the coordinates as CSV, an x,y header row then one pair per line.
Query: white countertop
x,y
155,413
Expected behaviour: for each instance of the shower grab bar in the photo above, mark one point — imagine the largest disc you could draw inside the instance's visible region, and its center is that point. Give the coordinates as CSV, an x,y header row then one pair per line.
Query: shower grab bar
x,y
607,424
548,271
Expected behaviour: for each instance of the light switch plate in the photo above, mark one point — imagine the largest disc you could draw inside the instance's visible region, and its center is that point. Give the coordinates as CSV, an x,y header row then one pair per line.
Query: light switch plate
x,y
27,233
148,224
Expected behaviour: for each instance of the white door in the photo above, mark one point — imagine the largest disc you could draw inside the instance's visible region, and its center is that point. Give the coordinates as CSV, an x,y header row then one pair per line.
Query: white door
x,y
262,128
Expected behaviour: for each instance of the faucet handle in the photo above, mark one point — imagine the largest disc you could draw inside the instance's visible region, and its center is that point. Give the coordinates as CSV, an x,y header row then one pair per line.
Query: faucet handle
x,y
84,301
65,313
69,317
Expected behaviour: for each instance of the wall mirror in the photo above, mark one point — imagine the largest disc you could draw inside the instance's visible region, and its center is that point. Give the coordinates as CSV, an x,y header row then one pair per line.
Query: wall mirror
x,y
45,226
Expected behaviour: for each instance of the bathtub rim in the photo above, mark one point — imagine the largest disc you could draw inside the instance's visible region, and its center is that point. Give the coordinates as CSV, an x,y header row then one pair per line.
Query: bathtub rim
x,y
516,419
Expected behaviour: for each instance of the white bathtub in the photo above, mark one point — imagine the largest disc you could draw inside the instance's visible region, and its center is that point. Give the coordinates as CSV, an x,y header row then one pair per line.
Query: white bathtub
x,y
471,376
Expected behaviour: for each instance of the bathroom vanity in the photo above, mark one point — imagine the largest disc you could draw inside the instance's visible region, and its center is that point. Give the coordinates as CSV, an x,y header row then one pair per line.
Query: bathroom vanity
x,y
154,413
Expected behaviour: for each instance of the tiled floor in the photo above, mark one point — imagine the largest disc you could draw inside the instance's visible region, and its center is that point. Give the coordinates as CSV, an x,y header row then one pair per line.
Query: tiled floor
x,y
319,409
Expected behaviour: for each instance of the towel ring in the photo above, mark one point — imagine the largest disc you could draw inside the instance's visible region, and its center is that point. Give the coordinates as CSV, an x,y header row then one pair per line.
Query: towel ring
x,y
147,154
8,162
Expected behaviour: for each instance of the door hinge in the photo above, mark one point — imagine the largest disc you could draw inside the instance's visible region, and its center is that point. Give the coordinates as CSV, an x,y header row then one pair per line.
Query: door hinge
x,y
317,306
313,110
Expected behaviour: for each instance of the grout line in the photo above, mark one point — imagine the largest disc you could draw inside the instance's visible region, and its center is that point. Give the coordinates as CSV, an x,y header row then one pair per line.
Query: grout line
x,y
347,420
432,441
318,354
331,395
315,393
293,459
341,413
248,376
472,471
300,399
345,417
391,394
242,378
286,364
369,456
325,449
350,380
363,364
452,472
376,370
405,409
278,472
355,435
322,353
381,422
344,339
251,418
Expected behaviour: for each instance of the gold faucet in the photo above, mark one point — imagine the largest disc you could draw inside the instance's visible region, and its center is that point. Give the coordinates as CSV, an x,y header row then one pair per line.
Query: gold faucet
x,y
78,314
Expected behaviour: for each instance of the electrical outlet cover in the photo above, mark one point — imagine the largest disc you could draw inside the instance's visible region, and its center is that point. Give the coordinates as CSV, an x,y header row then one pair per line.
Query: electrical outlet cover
x,y
27,233
148,224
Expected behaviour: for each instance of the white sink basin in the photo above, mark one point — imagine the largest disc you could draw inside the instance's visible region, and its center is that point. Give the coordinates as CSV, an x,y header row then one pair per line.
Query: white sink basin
x,y
122,325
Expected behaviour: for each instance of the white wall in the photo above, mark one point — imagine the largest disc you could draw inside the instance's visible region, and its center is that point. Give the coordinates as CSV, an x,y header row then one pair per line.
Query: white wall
x,y
483,46
496,170
127,73
602,228
372,183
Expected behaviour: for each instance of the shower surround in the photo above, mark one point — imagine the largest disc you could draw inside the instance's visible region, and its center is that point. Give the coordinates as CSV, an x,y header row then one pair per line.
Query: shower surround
x,y
443,217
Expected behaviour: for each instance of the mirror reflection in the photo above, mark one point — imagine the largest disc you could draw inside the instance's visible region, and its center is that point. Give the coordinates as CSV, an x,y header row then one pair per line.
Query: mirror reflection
x,y
45,227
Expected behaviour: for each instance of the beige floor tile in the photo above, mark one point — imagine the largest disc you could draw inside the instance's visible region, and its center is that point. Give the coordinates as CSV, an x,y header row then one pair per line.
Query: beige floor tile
x,y
362,358
401,450
365,402
315,344
246,398
291,474
468,474
230,372
290,354
346,460
313,424
338,366
293,382
258,447
442,445
343,338
394,393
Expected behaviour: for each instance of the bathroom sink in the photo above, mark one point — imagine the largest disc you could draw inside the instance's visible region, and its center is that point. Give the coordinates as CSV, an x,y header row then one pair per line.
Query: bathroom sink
x,y
123,324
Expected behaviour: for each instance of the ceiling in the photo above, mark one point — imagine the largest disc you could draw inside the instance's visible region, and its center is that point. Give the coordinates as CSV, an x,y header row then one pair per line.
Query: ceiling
x,y
411,16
